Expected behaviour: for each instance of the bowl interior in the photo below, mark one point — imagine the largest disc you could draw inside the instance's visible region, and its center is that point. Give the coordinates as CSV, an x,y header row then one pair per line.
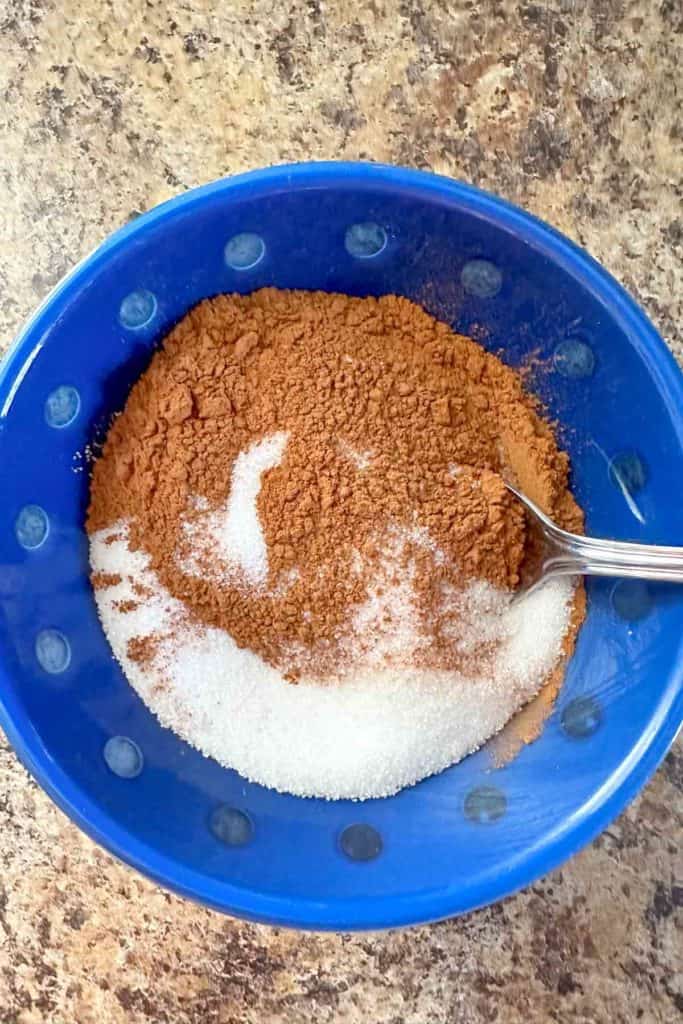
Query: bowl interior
x,y
471,834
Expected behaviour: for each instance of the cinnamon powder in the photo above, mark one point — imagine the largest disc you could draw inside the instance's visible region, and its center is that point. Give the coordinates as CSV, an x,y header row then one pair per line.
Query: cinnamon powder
x,y
398,431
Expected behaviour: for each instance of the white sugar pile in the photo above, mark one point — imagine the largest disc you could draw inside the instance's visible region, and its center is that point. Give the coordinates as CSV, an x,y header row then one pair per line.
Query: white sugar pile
x,y
378,731
231,540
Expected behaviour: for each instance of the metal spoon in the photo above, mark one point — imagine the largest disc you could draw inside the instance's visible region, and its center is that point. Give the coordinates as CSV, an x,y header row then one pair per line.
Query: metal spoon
x,y
568,554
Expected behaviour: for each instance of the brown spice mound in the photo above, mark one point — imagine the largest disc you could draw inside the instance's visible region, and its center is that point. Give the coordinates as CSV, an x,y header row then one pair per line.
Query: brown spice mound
x,y
396,427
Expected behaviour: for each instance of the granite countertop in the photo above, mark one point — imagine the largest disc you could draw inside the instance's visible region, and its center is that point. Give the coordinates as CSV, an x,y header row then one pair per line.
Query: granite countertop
x,y
569,108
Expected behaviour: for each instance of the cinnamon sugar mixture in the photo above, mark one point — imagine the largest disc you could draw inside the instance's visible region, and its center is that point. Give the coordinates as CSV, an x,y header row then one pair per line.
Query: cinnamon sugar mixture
x,y
320,477
435,418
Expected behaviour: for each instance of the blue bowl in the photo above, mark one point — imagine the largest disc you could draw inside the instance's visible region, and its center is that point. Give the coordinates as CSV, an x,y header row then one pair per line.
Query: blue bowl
x,y
472,834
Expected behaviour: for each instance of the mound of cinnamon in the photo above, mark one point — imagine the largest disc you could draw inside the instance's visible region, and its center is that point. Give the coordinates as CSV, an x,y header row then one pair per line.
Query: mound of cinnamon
x,y
398,432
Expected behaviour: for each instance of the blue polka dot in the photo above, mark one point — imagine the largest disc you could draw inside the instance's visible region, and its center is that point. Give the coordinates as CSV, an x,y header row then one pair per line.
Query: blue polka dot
x,y
244,251
62,406
31,527
123,757
52,651
628,471
631,599
231,826
363,241
574,359
485,804
361,842
137,309
481,278
581,717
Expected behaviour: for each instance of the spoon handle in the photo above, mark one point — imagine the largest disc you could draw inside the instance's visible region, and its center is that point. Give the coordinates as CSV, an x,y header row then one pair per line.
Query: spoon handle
x,y
572,554
607,558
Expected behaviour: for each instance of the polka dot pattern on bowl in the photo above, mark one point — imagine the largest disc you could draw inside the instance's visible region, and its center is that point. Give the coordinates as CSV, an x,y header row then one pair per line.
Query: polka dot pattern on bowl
x,y
52,651
366,240
137,309
574,359
62,406
485,804
481,278
581,717
31,527
361,842
231,826
631,599
627,471
244,251
123,757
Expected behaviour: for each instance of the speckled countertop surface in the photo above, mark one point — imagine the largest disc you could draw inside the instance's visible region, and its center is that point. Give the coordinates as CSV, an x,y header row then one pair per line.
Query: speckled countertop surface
x,y
571,109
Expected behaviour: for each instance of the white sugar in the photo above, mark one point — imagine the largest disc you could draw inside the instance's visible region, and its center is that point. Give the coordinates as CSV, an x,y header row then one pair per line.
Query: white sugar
x,y
378,731
385,627
388,618
231,539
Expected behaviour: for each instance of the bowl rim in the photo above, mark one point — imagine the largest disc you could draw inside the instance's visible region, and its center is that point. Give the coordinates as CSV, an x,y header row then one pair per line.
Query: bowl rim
x,y
639,763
